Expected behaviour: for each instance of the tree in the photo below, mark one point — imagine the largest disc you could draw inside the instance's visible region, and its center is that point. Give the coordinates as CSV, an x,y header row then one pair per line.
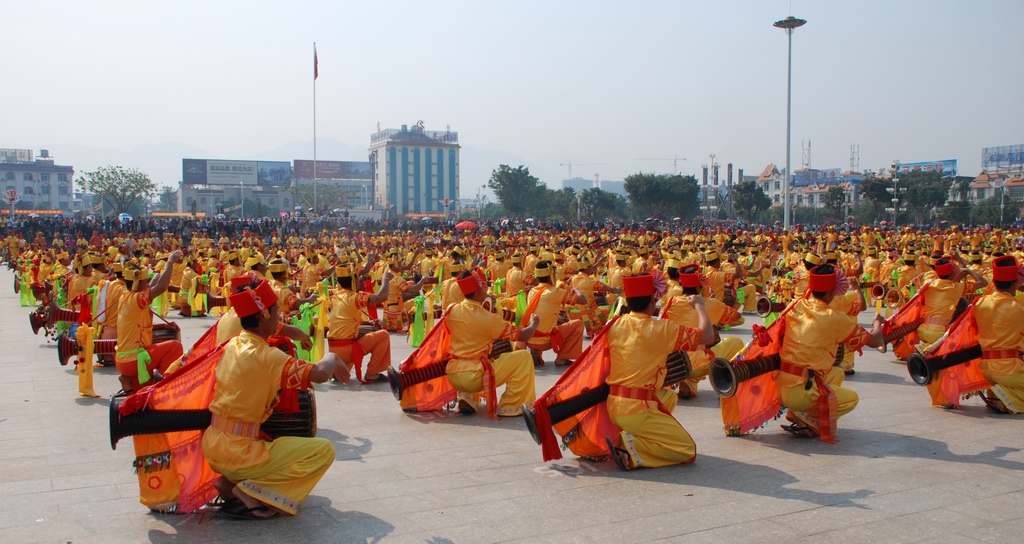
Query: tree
x,y
518,191
925,193
835,198
749,200
168,199
663,195
328,197
596,205
118,187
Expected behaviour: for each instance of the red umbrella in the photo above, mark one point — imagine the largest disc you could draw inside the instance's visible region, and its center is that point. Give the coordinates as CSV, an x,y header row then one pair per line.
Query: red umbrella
x,y
465,225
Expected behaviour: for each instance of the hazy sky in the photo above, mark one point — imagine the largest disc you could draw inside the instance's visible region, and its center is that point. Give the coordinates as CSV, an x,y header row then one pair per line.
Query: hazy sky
x,y
143,84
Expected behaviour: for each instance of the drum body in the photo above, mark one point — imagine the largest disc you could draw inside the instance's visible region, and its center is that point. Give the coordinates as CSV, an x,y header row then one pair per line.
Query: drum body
x,y
301,423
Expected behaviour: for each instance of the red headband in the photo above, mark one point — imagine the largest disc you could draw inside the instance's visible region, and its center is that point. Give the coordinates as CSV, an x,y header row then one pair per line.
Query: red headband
x,y
1004,268
945,267
690,278
253,301
638,286
473,283
822,283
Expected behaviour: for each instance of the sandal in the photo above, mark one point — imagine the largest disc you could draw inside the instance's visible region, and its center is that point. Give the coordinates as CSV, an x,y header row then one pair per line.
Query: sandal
x,y
247,514
799,430
220,501
619,455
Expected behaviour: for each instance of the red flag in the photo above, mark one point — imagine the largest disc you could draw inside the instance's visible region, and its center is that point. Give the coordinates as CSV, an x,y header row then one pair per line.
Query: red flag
x,y
316,69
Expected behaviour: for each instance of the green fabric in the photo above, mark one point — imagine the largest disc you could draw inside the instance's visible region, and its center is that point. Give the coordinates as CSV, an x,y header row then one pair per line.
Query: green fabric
x,y
303,322
520,307
418,329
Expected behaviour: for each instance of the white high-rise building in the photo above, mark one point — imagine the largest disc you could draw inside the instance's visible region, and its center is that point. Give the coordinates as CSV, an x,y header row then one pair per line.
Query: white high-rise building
x,y
415,170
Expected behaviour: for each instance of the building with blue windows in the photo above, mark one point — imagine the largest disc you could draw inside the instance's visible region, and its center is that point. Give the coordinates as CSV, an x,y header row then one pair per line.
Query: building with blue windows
x,y
415,170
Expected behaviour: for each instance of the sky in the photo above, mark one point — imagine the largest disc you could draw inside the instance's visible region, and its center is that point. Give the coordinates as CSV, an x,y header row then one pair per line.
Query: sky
x,y
601,84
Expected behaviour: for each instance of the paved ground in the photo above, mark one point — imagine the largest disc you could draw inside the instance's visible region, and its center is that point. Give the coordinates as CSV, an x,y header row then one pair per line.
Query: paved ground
x,y
901,472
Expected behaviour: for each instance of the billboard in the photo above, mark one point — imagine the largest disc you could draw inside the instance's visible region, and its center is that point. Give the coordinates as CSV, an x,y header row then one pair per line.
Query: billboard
x,y
15,155
274,173
218,172
807,177
1007,156
947,167
333,169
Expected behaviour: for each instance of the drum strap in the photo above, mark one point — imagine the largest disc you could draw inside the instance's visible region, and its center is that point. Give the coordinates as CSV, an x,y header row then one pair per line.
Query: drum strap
x,y
235,426
357,354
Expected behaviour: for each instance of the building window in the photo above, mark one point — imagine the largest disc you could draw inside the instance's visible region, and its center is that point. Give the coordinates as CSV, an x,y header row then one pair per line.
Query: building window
x,y
62,177
29,190
202,200
44,190
284,202
810,199
11,188
776,199
272,201
62,190
9,176
799,199
778,185
44,177
27,176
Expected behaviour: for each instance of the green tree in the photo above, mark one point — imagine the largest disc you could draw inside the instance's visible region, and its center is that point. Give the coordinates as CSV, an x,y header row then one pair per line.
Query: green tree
x,y
925,193
835,199
552,204
596,205
328,197
168,199
118,187
518,191
749,200
996,211
663,196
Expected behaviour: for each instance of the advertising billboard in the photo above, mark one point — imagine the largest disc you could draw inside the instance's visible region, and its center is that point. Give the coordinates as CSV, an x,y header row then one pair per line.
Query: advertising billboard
x,y
807,177
332,169
274,173
947,167
218,172
15,155
1006,156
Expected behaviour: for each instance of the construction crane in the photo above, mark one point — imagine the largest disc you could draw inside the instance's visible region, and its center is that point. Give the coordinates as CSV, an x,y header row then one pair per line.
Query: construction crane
x,y
675,162
570,165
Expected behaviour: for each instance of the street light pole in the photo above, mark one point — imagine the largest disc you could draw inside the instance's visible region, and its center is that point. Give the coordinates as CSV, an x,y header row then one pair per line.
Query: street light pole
x,y
789,24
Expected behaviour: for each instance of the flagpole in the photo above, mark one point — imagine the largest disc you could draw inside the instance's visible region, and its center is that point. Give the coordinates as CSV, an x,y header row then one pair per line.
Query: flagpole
x,y
316,72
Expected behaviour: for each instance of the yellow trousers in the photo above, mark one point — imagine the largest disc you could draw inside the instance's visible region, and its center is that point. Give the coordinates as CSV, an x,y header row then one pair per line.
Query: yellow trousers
x,y
287,477
928,337
805,400
514,370
658,438
1010,385
750,300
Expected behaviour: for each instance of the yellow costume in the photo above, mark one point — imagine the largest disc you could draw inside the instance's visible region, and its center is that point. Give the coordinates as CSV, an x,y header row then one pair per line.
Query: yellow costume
x,y
280,473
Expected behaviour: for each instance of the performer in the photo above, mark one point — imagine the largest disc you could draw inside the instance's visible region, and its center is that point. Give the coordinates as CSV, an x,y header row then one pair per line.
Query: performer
x,y
267,478
546,301
637,403
470,372
684,281
806,376
347,306
137,356
1001,335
